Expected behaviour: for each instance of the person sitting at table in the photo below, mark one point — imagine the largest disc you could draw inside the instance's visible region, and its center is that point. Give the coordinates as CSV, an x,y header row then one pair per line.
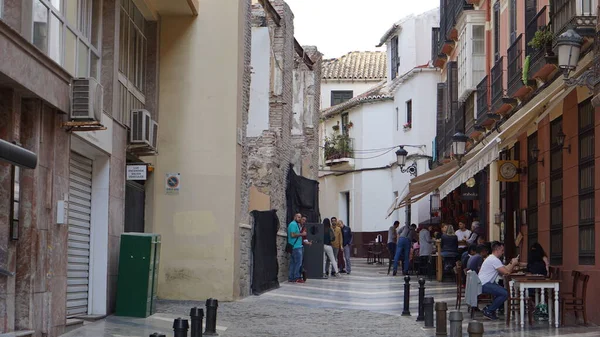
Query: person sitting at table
x,y
537,260
490,269
467,255
476,261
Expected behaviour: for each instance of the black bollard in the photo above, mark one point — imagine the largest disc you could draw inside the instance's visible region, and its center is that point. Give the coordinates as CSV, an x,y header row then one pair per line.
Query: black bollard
x,y
406,311
456,319
156,334
211,317
428,308
180,327
421,315
475,329
197,315
441,321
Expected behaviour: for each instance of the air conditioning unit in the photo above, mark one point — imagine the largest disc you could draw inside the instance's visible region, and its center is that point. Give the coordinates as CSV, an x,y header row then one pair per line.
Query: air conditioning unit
x,y
141,128
86,99
154,135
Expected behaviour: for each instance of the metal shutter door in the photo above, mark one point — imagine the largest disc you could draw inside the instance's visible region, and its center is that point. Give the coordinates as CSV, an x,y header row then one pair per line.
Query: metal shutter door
x,y
80,207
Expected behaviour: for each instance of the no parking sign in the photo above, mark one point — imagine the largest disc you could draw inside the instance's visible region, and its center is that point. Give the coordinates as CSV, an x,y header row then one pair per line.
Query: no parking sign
x,y
172,183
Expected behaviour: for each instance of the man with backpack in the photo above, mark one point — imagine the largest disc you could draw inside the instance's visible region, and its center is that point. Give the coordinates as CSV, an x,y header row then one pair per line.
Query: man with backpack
x,y
294,247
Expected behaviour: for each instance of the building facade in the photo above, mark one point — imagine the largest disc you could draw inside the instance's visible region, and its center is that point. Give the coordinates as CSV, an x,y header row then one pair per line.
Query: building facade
x,y
360,178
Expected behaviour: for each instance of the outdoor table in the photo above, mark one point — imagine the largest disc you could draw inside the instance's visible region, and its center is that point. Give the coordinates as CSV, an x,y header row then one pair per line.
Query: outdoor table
x,y
526,282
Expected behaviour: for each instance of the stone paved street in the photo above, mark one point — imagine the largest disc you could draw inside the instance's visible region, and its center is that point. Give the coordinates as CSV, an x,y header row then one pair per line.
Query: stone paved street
x,y
366,303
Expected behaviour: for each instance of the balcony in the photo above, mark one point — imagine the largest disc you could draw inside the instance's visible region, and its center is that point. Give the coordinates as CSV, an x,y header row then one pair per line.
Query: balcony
x,y
541,58
497,85
484,118
338,150
450,11
578,13
516,88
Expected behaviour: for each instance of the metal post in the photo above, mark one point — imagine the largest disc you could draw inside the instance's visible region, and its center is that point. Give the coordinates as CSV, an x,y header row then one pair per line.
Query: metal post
x,y
475,329
180,327
428,308
421,315
197,315
211,317
406,311
456,319
441,321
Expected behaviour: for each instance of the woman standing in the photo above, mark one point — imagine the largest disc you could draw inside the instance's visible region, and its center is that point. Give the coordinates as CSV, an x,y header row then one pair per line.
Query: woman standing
x,y
328,250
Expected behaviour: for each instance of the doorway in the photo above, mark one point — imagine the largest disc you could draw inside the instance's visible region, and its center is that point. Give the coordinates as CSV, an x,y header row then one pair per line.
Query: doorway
x,y
135,201
345,207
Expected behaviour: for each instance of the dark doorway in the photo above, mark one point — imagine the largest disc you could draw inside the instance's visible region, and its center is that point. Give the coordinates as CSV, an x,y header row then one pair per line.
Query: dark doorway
x,y
135,200
264,251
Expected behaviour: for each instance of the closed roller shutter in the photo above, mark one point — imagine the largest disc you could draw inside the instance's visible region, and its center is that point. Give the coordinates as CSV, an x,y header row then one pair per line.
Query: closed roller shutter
x,y
80,208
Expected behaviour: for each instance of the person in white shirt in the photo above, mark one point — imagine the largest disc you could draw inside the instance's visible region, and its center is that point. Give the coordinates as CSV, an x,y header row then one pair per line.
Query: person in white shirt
x,y
490,269
463,235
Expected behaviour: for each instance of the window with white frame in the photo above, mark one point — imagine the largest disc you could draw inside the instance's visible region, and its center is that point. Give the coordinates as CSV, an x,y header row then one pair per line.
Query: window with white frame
x,y
69,33
132,60
408,114
470,58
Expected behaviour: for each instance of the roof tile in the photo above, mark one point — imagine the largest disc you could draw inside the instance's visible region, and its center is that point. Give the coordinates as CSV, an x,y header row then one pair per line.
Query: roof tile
x,y
369,65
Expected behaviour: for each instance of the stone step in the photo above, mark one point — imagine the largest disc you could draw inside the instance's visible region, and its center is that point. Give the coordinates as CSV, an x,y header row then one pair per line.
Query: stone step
x,y
73,323
92,318
23,333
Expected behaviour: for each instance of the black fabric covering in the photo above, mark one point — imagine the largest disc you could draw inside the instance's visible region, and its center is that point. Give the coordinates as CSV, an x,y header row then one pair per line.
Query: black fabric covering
x,y
264,251
302,197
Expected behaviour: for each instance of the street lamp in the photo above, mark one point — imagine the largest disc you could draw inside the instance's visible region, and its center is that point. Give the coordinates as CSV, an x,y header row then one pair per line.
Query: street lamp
x,y
535,152
459,146
401,155
569,46
435,201
560,140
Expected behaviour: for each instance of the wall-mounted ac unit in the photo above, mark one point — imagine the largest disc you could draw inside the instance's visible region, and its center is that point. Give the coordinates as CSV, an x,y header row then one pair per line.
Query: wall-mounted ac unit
x,y
141,128
86,99
154,135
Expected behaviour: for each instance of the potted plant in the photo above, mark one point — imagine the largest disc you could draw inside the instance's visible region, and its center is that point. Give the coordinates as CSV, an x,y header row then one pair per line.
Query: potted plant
x,y
543,40
336,127
349,125
407,126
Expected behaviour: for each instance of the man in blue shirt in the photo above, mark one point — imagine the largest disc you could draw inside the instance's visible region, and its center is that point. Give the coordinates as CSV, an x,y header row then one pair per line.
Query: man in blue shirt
x,y
294,238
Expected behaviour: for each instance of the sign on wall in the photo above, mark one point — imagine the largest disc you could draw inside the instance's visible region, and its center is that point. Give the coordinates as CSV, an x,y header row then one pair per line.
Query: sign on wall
x,y
137,172
172,183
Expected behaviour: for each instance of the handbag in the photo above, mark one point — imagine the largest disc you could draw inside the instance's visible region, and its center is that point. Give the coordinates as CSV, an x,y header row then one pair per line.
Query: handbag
x,y
289,247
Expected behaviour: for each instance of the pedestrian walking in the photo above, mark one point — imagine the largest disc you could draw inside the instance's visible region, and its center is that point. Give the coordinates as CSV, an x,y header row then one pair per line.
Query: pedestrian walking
x,y
405,239
328,256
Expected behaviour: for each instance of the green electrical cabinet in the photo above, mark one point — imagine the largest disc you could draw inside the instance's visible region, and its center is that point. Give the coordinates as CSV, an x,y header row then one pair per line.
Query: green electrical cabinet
x,y
138,274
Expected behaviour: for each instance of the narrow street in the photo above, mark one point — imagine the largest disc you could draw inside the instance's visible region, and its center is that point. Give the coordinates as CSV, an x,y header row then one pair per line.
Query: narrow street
x,y
365,303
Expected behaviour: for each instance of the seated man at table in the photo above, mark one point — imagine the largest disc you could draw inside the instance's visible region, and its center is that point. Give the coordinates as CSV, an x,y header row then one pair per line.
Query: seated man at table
x,y
490,269
476,261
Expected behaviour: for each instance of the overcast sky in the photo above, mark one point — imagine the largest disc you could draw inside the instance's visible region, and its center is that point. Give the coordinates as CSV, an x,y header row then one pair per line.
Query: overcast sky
x,y
337,27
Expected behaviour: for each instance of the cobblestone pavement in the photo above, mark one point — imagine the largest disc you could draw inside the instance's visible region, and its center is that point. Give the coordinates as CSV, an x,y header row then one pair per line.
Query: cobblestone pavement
x,y
366,303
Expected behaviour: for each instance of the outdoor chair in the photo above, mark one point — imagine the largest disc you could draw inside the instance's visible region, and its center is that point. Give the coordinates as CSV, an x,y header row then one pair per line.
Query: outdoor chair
x,y
460,285
513,302
573,302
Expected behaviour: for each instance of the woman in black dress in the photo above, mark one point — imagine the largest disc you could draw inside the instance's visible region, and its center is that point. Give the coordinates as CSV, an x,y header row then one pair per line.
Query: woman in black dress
x,y
537,260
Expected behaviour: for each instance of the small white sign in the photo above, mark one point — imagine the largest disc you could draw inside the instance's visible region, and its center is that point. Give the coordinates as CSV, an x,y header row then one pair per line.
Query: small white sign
x,y
172,183
136,172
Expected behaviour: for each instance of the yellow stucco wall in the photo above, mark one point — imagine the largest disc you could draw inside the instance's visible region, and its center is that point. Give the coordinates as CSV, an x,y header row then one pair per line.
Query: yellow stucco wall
x,y
201,69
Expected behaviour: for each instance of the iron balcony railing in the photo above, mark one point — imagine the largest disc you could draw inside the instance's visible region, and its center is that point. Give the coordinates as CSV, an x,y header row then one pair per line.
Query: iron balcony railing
x,y
577,13
435,38
450,11
497,84
515,66
536,56
483,105
339,146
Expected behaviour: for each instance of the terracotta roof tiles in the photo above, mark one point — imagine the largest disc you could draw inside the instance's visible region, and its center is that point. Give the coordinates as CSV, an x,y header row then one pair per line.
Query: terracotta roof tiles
x,y
368,65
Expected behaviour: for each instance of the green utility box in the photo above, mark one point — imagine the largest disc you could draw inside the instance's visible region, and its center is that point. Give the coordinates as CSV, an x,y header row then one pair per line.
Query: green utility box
x,y
138,274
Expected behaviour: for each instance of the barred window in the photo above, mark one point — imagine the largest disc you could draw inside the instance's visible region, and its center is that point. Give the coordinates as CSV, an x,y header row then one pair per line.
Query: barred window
x,y
556,194
532,191
586,183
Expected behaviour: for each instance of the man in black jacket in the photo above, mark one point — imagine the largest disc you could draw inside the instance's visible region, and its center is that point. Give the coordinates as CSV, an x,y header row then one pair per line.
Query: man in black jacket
x,y
347,244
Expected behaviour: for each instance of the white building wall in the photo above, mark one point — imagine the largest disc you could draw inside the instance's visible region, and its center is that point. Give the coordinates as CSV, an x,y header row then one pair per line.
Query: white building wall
x,y
358,87
258,116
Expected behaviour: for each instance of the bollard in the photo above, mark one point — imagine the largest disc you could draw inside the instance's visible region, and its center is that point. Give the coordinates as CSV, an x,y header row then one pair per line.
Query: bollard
x,y
406,311
156,334
211,317
456,319
421,315
180,327
475,329
441,321
197,315
428,308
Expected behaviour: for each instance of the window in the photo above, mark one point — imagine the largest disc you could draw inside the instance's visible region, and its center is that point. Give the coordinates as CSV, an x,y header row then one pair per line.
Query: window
x,y
68,32
345,123
496,30
409,113
397,119
532,191
586,183
395,62
14,206
513,21
556,194
341,96
132,59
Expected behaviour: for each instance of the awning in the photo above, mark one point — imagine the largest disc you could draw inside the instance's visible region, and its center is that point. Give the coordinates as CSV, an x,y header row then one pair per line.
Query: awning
x,y
421,186
512,128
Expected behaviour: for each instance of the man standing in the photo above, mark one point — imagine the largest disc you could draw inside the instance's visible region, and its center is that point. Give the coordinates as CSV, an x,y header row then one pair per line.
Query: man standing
x,y
336,243
490,269
347,243
463,234
405,240
294,239
392,238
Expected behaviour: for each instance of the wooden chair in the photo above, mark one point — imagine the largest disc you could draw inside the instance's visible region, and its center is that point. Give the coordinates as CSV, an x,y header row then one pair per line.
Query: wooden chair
x,y
554,273
575,303
460,285
377,253
513,303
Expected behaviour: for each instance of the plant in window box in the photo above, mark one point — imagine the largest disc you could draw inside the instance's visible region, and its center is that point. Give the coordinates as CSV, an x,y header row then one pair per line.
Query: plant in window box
x,y
349,125
543,40
407,126
336,127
